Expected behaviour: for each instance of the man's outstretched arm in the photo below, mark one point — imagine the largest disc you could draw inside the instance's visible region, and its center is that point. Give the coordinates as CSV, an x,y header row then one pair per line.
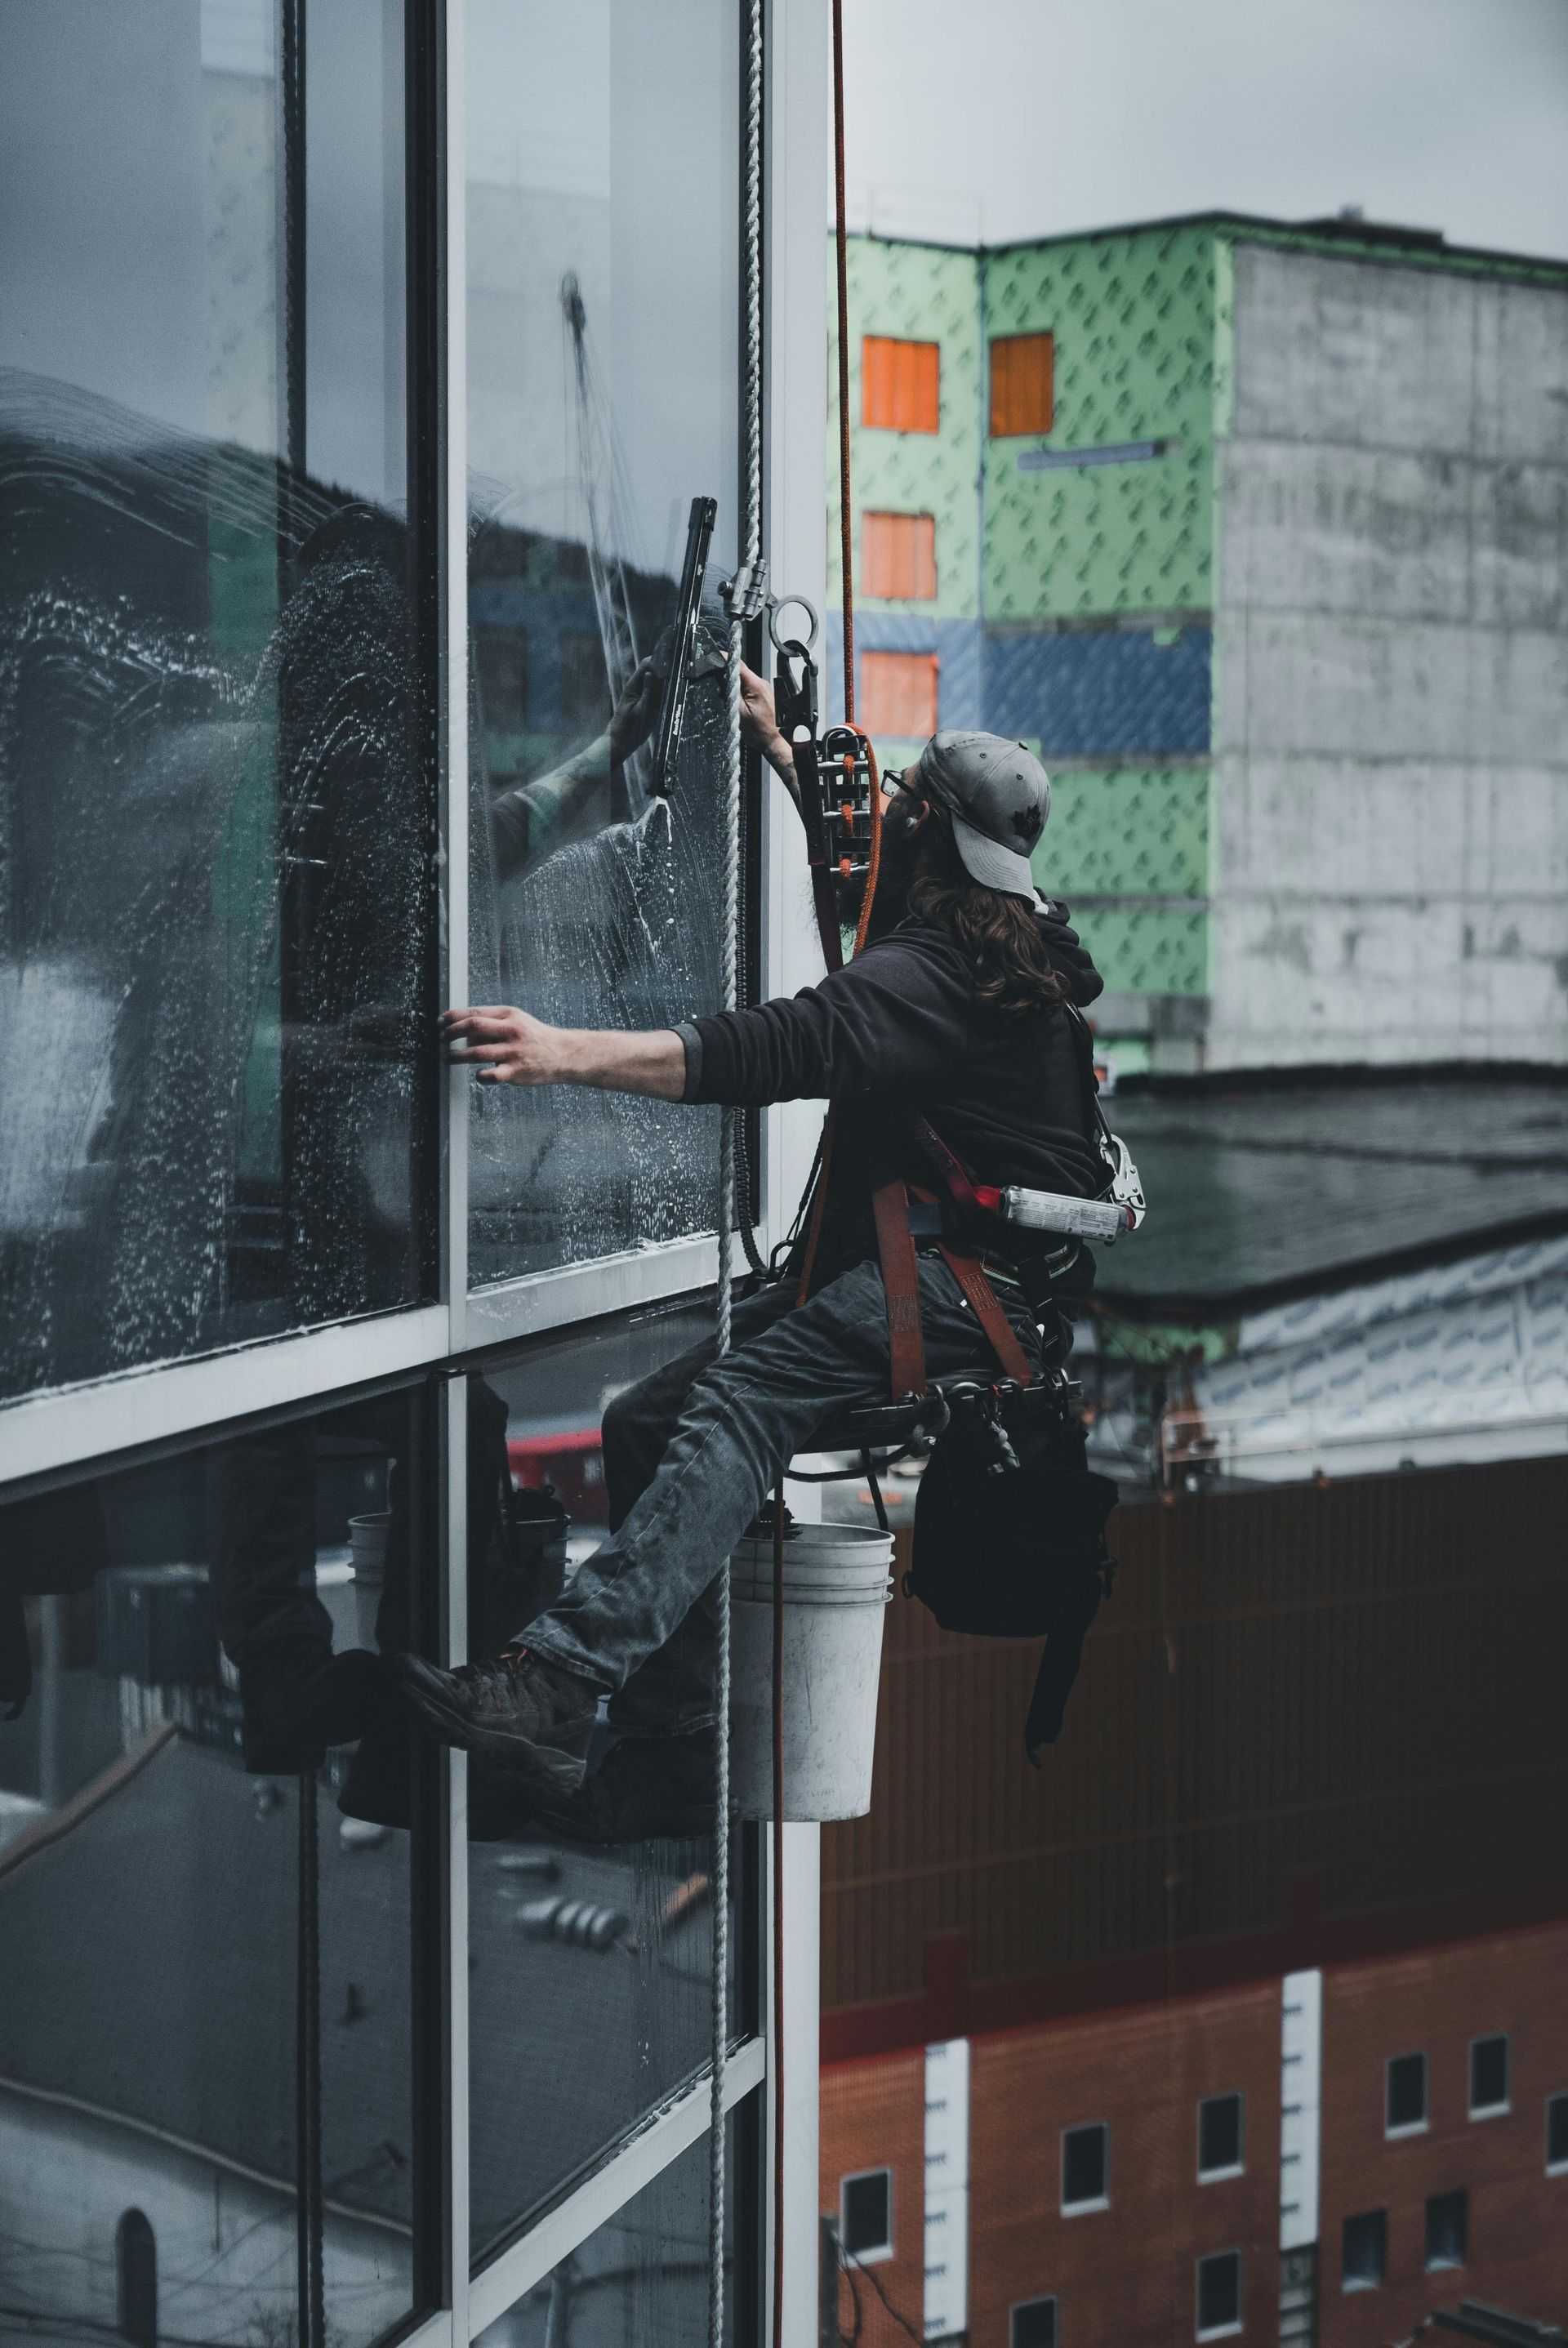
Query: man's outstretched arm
x,y
511,1047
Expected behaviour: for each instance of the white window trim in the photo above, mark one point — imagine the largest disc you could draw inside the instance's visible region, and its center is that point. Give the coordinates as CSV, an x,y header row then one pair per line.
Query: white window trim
x,y
1221,2330
1084,2208
1489,2111
1557,2096
884,2251
1233,2168
1409,2128
1038,2298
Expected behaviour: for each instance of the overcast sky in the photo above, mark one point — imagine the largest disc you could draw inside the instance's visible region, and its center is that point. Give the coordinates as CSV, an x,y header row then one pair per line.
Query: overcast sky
x,y
1006,119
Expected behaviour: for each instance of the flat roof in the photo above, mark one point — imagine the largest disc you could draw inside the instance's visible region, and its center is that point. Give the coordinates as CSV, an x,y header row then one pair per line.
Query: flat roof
x,y
1385,240
1273,1191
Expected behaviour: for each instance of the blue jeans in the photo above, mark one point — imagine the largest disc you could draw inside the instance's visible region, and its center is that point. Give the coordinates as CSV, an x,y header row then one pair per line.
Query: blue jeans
x,y
690,1454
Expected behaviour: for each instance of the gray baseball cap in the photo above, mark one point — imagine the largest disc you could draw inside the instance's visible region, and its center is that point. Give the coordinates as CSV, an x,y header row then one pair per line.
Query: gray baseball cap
x,y
999,797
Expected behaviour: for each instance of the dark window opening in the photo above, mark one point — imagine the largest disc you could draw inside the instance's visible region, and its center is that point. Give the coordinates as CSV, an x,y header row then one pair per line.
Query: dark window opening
x,y
1406,2094
1363,2250
865,2214
1219,2294
1557,2133
136,2280
1022,366
1488,2081
1085,2164
1220,2136
1447,2229
1033,2324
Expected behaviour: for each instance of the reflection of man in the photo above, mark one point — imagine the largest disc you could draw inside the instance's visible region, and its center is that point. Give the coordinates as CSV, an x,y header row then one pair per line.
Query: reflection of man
x,y
955,1012
533,820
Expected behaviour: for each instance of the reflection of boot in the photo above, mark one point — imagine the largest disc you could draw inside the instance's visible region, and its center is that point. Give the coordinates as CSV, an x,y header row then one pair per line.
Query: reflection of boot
x,y
297,1697
380,1788
523,1711
646,1786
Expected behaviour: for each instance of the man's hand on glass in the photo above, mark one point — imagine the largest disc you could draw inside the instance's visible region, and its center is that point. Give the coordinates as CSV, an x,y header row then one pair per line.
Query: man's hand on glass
x,y
509,1047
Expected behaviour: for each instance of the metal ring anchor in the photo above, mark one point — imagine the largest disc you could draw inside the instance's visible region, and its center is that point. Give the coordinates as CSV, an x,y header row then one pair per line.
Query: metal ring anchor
x,y
790,643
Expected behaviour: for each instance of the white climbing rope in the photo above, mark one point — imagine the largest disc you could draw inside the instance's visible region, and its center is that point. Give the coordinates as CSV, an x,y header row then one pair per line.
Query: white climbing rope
x,y
730,1207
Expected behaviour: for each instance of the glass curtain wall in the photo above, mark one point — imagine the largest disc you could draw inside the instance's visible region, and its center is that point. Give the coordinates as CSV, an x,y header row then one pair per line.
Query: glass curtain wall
x,y
246,2023
602,302
214,877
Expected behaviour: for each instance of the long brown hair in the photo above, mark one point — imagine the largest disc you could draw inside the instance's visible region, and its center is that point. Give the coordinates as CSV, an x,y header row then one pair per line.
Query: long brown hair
x,y
999,935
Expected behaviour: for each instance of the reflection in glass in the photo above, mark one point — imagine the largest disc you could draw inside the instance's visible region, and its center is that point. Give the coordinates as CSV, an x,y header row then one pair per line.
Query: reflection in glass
x,y
164,2087
212,834
602,260
640,2281
590,1967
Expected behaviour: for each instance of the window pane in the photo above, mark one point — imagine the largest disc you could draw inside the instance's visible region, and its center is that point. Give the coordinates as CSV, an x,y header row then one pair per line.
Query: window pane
x,y
603,296
1219,2293
214,916
1034,2324
901,385
1557,2131
1489,2074
1364,2250
898,557
898,694
640,2281
1407,2091
605,1950
1219,2134
1447,2229
866,2213
152,1888
1021,393
1083,2165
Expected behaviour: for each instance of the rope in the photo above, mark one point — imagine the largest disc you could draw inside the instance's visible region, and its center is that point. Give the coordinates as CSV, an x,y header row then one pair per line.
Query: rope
x,y
308,2227
728,1151
841,253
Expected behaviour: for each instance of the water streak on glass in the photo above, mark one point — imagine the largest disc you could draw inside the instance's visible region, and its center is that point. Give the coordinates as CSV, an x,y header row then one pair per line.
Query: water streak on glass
x,y
213,837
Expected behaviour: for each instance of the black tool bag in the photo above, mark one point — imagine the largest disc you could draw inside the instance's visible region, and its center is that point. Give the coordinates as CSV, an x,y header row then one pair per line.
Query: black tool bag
x,y
1010,1542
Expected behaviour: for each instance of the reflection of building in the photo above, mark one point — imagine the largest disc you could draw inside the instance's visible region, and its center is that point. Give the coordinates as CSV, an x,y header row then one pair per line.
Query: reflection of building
x,y
1306,1817
1254,529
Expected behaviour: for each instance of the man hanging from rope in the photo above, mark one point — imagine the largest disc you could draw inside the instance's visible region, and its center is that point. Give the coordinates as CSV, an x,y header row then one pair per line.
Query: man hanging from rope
x,y
954,1013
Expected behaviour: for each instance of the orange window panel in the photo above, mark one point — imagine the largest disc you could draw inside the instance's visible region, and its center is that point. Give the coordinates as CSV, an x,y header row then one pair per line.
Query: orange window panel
x,y
898,694
1021,383
898,556
901,385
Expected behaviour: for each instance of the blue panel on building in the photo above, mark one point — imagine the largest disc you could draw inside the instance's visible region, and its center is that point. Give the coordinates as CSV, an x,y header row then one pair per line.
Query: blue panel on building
x,y
1102,693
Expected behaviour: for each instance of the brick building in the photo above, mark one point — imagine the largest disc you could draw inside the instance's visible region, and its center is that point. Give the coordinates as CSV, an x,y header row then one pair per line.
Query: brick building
x,y
1306,1821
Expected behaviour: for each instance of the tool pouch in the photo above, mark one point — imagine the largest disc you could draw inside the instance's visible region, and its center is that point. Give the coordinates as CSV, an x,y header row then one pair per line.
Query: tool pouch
x,y
1016,1551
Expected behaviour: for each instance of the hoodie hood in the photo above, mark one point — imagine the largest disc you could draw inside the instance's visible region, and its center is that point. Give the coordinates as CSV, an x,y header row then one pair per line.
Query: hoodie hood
x,y
1069,956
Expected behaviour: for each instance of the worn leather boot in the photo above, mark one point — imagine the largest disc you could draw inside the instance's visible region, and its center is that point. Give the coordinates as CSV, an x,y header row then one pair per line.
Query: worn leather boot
x,y
297,1697
520,1711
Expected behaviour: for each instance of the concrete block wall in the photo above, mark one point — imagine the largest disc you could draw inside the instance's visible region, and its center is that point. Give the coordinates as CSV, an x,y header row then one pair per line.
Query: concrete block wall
x,y
1390,878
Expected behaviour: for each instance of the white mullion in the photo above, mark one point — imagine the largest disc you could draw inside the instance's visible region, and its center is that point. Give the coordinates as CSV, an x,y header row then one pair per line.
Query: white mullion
x,y
669,2132
91,1423
454,686
452,1464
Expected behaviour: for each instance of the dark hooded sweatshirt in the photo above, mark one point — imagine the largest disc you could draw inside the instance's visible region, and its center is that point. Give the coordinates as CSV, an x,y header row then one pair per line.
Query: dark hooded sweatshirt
x,y
896,1036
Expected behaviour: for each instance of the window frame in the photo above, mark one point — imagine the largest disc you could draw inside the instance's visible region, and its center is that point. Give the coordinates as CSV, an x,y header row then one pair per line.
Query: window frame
x,y
995,431
1219,2330
1473,2110
1239,2167
884,2250
1025,2306
1086,2207
1557,2099
1357,2282
1446,2266
1395,2130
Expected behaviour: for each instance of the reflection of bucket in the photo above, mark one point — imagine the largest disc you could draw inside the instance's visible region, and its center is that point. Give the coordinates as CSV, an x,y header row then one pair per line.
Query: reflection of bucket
x,y
367,1542
836,1585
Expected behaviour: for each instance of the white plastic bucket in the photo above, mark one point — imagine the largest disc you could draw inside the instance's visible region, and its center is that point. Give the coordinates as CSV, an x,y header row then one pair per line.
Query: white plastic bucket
x,y
837,1583
367,1542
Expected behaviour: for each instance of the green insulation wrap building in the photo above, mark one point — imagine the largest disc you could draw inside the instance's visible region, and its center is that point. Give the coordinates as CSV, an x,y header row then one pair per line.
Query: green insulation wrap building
x,y
1257,533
